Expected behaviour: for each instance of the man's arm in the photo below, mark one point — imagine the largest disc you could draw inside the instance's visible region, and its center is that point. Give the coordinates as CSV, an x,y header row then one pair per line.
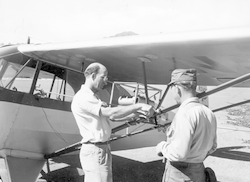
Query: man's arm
x,y
214,147
126,111
131,117
181,138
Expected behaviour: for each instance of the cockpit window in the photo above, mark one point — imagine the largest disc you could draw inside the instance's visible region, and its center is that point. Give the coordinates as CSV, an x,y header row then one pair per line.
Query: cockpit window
x,y
52,83
40,79
10,79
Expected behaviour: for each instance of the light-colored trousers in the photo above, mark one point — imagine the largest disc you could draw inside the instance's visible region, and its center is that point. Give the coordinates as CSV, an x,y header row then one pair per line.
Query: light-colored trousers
x,y
184,172
96,161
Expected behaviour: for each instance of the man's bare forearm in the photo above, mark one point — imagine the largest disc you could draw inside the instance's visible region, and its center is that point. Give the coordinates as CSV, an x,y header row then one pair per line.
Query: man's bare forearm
x,y
125,111
130,117
121,111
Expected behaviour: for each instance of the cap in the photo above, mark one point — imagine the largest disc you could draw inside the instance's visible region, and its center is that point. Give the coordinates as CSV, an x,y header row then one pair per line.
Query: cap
x,y
180,75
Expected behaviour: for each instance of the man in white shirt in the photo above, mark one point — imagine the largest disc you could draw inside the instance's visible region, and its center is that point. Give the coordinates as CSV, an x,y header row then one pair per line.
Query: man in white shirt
x,y
93,119
192,134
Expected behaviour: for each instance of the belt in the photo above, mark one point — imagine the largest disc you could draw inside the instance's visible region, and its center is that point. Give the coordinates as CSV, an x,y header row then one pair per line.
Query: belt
x,y
184,164
97,143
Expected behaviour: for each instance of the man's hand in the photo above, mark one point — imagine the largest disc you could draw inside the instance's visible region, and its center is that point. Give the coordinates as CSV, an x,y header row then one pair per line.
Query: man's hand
x,y
104,104
148,110
159,148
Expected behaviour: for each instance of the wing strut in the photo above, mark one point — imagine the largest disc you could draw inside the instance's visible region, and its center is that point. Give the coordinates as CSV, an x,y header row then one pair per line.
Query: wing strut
x,y
19,71
145,81
232,105
163,97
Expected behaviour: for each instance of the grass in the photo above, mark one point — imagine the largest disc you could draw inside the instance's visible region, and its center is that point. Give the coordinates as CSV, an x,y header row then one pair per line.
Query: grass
x,y
239,116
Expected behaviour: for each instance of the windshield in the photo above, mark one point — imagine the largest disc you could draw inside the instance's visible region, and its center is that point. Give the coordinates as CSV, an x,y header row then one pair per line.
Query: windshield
x,y
37,78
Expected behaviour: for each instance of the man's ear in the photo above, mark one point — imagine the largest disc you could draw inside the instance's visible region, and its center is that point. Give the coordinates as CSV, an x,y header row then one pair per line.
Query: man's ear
x,y
179,91
93,76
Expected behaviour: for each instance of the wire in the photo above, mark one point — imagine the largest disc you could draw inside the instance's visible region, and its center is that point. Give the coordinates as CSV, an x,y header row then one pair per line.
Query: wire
x,y
57,133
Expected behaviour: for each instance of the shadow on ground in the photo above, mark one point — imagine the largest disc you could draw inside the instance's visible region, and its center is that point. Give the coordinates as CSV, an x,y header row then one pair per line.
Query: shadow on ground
x,y
124,170
234,153
70,173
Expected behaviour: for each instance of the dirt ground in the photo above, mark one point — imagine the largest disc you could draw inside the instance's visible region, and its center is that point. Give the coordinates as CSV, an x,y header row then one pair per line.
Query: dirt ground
x,y
231,161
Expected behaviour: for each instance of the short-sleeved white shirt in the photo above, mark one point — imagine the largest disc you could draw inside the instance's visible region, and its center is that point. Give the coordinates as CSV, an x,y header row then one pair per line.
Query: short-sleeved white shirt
x,y
86,107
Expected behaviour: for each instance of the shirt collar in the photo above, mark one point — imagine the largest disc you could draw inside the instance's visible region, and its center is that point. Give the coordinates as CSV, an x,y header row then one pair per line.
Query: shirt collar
x,y
192,99
87,89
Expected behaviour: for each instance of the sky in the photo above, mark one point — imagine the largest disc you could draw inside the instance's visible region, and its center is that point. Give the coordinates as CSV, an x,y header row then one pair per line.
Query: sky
x,y
75,20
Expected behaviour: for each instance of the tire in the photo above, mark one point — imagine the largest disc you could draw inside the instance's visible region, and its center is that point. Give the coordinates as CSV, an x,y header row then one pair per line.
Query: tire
x,y
210,175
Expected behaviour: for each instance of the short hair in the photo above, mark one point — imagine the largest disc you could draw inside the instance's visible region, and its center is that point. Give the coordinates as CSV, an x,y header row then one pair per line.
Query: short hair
x,y
91,69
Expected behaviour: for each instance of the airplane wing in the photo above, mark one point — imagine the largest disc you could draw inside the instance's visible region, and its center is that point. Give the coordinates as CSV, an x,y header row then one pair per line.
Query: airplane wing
x,y
218,55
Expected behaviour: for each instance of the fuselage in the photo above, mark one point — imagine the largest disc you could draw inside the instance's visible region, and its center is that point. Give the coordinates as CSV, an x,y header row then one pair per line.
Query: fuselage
x,y
35,105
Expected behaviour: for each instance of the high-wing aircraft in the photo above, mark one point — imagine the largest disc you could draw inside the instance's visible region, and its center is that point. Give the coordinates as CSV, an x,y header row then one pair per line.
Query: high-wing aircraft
x,y
38,81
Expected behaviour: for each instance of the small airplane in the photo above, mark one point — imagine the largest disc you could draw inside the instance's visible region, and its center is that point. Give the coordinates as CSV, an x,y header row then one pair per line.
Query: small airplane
x,y
38,82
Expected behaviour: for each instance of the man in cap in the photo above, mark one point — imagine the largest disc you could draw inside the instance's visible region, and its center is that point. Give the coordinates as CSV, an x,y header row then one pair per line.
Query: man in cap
x,y
191,136
93,119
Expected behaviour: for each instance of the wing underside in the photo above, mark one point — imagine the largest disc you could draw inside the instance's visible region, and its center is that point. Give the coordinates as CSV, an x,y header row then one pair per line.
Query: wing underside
x,y
218,55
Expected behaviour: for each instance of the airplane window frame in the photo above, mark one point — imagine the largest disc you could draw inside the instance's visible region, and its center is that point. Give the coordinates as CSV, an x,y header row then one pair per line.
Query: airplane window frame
x,y
57,74
11,74
3,67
